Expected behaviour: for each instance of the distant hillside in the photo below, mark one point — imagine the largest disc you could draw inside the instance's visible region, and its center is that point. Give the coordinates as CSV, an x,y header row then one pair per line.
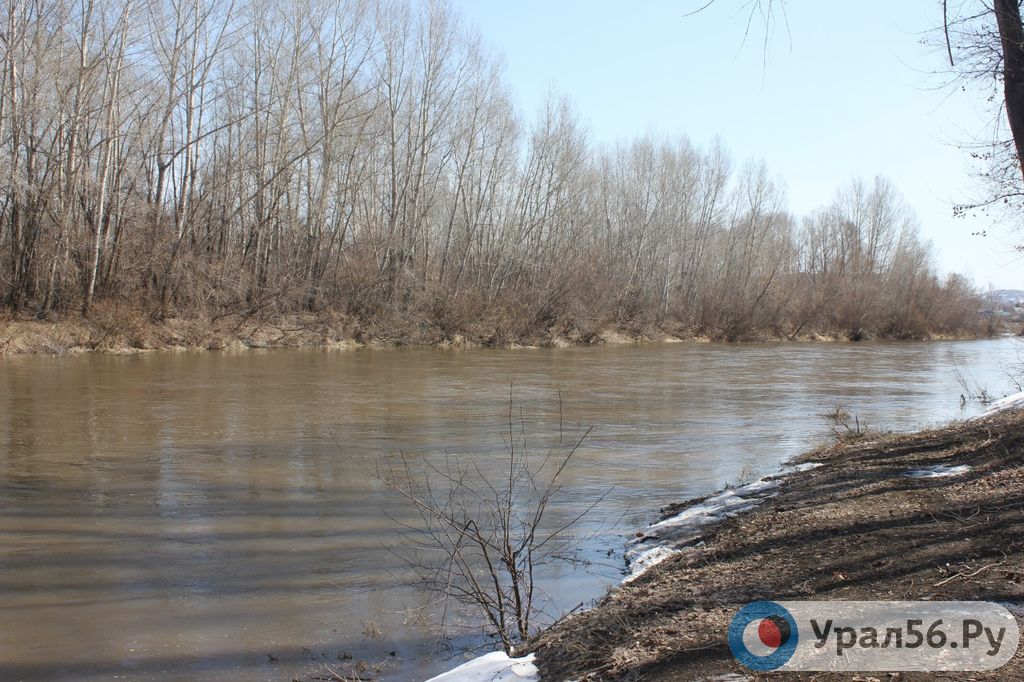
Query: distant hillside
x,y
1011,297
1006,305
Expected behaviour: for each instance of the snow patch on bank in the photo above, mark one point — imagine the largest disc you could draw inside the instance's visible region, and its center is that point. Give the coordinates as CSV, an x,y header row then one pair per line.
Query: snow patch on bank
x,y
666,538
496,666
670,536
796,468
938,471
1010,402
643,559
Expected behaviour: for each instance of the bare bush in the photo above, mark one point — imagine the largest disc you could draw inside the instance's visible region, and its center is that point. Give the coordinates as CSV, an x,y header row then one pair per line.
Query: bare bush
x,y
838,414
845,425
970,388
480,540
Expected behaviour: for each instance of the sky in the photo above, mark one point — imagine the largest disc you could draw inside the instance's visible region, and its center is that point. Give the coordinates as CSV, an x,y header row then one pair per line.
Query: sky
x,y
849,90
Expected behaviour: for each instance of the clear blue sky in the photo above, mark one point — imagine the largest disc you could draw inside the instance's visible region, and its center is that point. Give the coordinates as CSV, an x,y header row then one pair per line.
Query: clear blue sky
x,y
849,91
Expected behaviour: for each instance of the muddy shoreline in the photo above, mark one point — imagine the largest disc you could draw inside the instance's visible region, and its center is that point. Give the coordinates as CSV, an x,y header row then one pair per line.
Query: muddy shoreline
x,y
858,527
120,332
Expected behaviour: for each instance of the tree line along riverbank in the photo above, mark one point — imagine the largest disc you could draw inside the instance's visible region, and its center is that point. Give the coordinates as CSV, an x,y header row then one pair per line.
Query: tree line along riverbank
x,y
367,162
856,528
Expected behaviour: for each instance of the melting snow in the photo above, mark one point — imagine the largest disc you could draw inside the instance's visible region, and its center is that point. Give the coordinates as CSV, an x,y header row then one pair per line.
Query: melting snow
x,y
1011,401
806,466
644,559
663,539
938,471
493,667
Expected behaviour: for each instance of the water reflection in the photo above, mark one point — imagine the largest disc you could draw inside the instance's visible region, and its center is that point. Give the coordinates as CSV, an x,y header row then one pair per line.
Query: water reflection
x,y
189,516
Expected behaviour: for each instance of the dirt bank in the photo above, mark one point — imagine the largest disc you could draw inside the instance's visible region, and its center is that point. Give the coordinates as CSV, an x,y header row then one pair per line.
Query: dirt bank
x,y
130,333
856,528
116,329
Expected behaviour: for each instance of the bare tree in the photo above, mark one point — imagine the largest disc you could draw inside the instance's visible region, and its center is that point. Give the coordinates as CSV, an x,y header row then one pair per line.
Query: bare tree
x,y
363,161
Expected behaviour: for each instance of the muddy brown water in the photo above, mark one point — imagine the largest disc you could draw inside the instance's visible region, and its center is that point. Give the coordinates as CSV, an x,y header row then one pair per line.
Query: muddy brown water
x,y
209,516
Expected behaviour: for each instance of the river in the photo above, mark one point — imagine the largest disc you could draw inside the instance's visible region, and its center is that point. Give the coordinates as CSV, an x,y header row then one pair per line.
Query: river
x,y
211,516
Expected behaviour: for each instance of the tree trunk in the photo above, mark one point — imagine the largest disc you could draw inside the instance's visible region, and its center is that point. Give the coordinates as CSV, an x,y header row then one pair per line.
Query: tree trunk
x,y
1012,36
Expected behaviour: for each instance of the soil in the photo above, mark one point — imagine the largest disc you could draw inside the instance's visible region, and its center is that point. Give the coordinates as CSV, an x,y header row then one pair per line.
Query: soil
x,y
113,329
855,528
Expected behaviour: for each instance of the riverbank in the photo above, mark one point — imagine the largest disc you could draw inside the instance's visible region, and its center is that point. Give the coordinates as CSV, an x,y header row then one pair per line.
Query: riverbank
x,y
116,330
937,514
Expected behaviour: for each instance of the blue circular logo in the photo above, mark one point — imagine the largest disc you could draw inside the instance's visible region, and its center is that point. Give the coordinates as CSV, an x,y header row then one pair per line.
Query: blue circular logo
x,y
763,636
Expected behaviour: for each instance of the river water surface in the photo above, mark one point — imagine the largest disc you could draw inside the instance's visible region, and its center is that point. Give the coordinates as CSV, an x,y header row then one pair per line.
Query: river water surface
x,y
210,516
